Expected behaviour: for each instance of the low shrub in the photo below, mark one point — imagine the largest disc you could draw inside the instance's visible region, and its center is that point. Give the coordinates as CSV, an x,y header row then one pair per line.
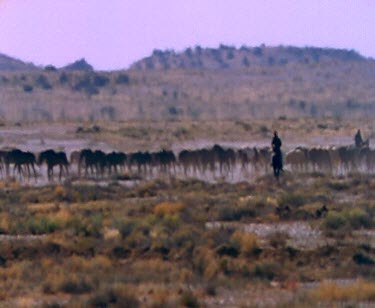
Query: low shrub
x,y
117,296
278,239
266,270
358,291
168,208
292,200
228,249
359,218
75,286
248,243
41,225
233,213
363,259
28,88
335,221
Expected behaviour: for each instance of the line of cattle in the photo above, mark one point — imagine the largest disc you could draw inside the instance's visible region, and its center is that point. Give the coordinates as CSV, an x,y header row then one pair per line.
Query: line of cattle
x,y
215,161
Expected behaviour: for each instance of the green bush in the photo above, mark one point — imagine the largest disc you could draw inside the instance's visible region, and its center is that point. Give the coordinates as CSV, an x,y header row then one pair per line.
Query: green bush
x,y
335,221
291,200
41,225
359,218
125,227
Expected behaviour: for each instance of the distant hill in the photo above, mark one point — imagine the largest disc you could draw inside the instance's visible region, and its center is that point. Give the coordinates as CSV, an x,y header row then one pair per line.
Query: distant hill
x,y
227,57
11,64
79,65
198,83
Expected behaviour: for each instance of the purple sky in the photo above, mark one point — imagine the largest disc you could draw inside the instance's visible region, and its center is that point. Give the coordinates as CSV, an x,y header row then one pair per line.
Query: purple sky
x,y
113,34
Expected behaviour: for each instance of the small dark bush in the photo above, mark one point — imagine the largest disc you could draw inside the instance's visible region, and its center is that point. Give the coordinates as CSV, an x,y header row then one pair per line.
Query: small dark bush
x,y
86,85
100,81
63,78
230,213
362,259
113,297
227,250
76,287
338,186
122,79
266,270
126,227
50,68
335,221
188,299
121,252
42,82
28,88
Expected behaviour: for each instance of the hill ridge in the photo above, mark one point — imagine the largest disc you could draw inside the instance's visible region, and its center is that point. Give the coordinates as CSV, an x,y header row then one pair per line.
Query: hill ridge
x,y
230,57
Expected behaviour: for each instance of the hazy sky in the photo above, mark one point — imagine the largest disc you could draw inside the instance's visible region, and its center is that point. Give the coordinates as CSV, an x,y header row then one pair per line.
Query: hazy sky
x,y
112,34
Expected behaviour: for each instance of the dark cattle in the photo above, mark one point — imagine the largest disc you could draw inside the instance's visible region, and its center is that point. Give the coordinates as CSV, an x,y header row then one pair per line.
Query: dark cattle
x,y
166,160
246,157
185,160
19,159
2,160
115,160
87,161
226,158
205,160
297,159
263,158
320,159
100,159
142,160
349,157
93,161
52,159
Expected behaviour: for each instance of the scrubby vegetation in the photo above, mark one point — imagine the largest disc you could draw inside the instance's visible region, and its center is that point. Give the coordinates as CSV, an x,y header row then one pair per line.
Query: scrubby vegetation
x,y
200,83
174,242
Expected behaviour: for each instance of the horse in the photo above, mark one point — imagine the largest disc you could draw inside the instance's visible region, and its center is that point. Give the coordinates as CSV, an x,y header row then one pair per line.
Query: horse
x,y
52,159
277,164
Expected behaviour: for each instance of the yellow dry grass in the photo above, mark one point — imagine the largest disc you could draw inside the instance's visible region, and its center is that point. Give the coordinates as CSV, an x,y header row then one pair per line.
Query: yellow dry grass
x,y
41,207
248,242
360,290
4,222
168,208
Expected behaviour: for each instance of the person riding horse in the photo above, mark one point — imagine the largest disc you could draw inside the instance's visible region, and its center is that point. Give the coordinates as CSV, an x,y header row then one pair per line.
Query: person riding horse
x,y
358,139
277,160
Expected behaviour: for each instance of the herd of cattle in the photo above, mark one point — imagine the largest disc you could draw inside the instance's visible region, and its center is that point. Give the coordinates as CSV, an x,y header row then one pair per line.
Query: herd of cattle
x,y
214,161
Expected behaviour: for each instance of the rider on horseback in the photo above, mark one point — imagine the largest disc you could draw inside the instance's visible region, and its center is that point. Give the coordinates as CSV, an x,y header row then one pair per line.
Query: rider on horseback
x,y
276,143
358,139
277,160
